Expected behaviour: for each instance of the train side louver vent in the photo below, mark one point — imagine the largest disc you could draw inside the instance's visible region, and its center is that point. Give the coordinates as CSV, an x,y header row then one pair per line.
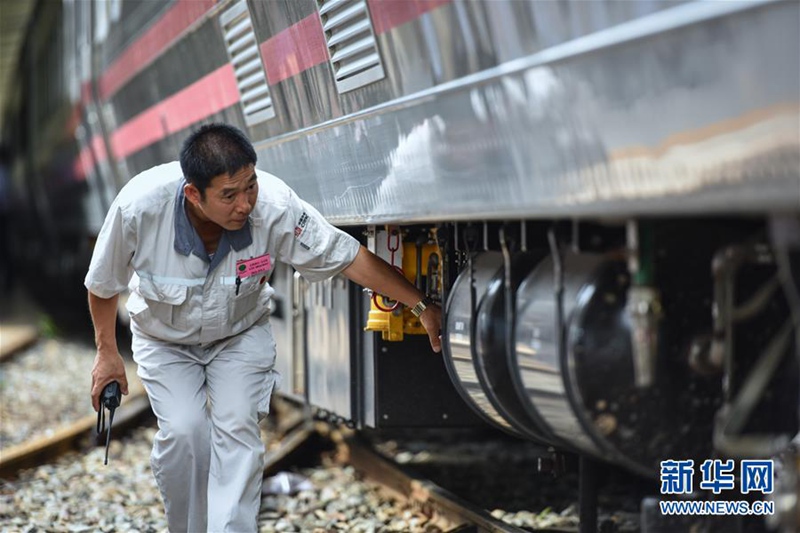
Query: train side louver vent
x,y
240,40
351,43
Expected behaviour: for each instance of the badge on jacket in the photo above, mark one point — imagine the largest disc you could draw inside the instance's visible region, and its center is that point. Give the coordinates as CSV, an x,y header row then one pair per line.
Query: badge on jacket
x,y
255,265
303,229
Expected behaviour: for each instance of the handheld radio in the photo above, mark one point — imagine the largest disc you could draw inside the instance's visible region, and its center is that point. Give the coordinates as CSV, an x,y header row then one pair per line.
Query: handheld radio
x,y
110,399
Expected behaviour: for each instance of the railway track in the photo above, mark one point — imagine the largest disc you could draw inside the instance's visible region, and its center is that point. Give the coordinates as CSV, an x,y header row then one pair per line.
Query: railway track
x,y
446,510
457,513
35,475
68,438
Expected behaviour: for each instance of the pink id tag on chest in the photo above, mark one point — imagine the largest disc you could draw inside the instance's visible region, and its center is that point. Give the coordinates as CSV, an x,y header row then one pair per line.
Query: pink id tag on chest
x,y
253,266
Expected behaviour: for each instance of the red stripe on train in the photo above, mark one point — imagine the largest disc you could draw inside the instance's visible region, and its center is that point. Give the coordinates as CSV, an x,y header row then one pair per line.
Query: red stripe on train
x,y
205,97
86,93
295,49
388,14
211,94
286,54
99,148
83,164
89,157
159,36
302,45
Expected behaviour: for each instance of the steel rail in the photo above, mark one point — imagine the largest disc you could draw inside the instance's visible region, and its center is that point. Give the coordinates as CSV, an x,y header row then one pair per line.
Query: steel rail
x,y
46,449
464,516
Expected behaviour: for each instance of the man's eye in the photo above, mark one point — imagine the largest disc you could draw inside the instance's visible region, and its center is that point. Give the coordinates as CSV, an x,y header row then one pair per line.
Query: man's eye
x,y
252,186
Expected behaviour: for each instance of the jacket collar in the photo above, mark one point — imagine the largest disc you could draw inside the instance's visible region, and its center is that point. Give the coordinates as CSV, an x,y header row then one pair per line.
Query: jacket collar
x,y
188,241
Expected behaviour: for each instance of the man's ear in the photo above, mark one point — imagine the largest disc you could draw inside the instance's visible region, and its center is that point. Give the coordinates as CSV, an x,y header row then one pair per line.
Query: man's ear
x,y
192,193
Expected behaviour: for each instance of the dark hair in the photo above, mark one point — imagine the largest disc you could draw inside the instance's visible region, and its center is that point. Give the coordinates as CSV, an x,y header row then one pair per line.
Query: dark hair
x,y
213,150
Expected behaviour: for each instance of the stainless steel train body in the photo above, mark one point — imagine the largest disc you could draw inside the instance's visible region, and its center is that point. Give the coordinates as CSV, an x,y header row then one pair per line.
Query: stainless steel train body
x,y
594,190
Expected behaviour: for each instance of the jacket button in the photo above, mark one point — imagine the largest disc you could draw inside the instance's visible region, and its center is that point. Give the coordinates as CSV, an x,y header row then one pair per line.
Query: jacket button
x,y
160,295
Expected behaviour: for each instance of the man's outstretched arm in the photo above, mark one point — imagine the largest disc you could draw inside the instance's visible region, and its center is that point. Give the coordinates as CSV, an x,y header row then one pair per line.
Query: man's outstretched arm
x,y
108,364
369,270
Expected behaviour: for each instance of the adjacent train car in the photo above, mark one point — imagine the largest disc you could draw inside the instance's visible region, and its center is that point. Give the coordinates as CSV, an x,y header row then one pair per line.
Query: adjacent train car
x,y
603,195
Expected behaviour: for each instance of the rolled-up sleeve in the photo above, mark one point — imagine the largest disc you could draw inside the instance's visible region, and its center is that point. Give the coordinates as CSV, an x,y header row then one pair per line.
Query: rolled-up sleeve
x,y
309,243
110,269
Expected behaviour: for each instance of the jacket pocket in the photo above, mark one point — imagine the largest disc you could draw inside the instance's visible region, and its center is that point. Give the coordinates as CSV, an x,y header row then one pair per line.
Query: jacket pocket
x,y
166,301
247,299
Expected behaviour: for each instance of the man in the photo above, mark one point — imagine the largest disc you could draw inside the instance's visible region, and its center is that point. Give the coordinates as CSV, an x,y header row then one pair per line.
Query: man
x,y
197,242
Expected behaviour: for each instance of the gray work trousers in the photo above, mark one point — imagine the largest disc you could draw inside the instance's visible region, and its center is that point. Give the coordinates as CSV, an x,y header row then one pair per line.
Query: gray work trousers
x,y
208,454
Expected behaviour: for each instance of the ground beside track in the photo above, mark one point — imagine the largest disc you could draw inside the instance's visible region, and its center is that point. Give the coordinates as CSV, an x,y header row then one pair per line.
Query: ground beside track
x,y
45,387
78,493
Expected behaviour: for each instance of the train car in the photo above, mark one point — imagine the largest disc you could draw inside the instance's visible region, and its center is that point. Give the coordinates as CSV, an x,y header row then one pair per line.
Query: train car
x,y
604,196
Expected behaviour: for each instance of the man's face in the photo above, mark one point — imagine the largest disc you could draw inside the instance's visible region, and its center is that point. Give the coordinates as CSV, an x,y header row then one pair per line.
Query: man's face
x,y
229,198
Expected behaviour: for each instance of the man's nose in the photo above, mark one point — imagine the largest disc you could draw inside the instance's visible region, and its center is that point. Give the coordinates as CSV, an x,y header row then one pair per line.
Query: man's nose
x,y
243,204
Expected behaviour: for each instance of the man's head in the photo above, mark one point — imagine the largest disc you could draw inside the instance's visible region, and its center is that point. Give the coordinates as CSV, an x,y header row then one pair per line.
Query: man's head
x,y
214,150
218,163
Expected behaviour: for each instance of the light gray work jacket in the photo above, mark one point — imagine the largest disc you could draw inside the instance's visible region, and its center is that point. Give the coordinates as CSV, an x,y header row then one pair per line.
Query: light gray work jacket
x,y
180,294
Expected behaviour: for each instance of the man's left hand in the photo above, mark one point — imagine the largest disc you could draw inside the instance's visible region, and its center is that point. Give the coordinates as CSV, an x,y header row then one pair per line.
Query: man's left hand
x,y
431,319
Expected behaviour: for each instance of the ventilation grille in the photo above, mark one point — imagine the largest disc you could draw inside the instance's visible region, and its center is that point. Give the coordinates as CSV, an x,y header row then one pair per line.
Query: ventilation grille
x,y
240,40
351,43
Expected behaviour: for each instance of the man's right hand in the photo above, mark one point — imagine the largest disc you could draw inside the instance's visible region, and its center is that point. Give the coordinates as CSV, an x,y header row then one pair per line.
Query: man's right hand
x,y
108,364
108,367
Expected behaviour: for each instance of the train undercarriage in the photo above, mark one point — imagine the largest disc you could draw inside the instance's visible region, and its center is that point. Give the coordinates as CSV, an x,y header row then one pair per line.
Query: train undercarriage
x,y
630,342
